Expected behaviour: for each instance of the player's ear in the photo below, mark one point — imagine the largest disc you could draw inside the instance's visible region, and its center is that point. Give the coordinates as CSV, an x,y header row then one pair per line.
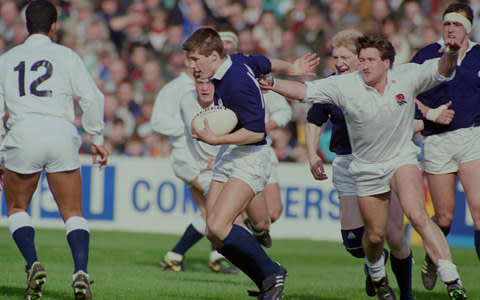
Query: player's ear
x,y
53,30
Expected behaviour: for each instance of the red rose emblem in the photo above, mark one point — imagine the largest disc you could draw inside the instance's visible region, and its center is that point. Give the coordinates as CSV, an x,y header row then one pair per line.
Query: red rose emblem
x,y
400,99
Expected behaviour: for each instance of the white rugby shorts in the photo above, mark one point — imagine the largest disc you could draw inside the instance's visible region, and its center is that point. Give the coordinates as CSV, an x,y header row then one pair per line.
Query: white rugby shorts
x,y
273,176
374,178
184,165
41,143
204,179
444,152
341,177
249,163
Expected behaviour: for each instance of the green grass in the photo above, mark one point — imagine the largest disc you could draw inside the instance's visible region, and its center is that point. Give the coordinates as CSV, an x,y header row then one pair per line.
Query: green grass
x,y
125,266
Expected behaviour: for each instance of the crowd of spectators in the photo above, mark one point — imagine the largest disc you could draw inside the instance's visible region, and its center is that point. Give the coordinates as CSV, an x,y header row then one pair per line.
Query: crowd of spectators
x,y
133,47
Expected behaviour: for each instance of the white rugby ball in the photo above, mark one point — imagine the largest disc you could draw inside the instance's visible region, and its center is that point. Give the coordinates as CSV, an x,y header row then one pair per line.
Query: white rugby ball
x,y
221,120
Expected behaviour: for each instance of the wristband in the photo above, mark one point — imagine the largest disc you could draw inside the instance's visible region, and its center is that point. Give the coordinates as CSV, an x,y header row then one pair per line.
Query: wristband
x,y
433,113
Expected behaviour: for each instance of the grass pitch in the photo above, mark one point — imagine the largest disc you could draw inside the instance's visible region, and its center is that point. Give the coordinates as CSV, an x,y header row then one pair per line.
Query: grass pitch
x,y
125,266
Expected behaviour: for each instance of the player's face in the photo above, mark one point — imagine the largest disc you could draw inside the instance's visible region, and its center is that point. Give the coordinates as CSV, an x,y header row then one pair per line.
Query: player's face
x,y
454,30
229,47
373,68
201,65
205,90
345,61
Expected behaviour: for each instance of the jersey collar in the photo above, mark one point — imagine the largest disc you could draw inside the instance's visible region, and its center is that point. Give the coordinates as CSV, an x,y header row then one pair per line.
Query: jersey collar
x,y
223,69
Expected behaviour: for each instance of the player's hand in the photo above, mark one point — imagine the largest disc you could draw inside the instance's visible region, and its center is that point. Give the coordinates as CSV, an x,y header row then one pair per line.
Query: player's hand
x,y
446,116
317,170
450,45
99,155
305,65
210,162
206,135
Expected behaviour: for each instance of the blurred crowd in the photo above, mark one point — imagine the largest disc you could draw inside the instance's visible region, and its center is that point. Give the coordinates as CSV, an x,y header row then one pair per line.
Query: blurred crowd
x,y
133,47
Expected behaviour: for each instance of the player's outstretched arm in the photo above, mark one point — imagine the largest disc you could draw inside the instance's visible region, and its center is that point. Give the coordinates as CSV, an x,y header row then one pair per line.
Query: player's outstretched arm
x,y
292,90
302,67
99,155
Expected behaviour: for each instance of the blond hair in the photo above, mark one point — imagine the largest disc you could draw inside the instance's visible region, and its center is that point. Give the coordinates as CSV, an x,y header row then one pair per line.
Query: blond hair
x,y
346,38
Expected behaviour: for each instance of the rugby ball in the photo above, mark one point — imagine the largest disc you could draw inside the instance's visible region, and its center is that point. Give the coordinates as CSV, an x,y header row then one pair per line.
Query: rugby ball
x,y
221,120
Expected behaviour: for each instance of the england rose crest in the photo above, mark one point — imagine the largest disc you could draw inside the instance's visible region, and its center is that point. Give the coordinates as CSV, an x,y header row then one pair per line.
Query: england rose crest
x,y
400,99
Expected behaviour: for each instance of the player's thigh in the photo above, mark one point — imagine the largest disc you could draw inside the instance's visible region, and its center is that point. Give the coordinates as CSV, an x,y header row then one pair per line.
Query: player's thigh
x,y
442,191
470,177
66,187
395,233
231,201
374,210
199,199
18,189
407,183
212,195
350,217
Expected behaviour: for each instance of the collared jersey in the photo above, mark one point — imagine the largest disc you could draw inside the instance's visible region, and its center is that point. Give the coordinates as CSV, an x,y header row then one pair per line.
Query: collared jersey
x,y
166,110
380,126
189,107
41,78
318,114
237,88
463,90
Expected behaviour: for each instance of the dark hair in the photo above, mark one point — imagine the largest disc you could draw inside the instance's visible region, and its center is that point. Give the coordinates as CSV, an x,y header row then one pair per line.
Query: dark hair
x,y
460,7
40,15
382,45
204,40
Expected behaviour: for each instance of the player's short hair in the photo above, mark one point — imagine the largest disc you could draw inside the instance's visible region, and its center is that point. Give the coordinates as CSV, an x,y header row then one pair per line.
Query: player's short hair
x,y
204,41
460,7
40,16
346,38
387,52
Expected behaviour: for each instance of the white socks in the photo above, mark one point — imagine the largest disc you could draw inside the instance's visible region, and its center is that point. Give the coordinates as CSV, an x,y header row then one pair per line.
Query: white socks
x,y
376,269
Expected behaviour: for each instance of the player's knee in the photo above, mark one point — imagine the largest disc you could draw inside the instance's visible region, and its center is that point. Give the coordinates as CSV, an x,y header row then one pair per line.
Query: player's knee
x,y
419,220
352,240
443,219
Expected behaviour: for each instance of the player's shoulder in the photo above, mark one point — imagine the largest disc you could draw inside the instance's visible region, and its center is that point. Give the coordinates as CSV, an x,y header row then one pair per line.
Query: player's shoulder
x,y
427,52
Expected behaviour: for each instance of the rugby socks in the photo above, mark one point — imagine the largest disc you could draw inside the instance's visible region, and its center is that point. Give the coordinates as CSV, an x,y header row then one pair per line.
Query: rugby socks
x,y
78,237
477,242
23,233
242,249
402,268
189,238
445,230
376,269
447,270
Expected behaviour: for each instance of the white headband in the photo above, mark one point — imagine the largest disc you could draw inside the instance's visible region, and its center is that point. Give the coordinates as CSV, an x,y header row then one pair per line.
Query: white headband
x,y
458,18
229,36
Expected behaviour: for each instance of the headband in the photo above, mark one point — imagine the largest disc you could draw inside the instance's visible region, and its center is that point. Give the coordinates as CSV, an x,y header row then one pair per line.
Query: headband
x,y
458,18
229,36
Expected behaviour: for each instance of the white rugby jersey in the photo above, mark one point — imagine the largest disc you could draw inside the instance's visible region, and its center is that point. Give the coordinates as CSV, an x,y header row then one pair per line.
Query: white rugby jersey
x,y
41,78
189,107
379,126
166,110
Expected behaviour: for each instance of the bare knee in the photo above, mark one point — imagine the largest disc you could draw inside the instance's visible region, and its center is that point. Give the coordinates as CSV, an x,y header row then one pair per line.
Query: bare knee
x,y
443,219
375,237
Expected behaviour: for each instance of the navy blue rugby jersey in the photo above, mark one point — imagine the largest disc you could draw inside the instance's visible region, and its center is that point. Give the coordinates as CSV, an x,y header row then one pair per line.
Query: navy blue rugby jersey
x,y
320,113
237,88
463,90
